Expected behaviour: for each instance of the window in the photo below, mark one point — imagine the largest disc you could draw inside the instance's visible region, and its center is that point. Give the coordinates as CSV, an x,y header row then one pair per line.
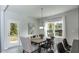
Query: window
x,y
55,28
58,29
13,31
50,31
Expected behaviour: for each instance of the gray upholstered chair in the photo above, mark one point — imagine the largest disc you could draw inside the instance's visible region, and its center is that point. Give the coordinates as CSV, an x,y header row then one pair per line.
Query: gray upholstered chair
x,y
27,46
75,46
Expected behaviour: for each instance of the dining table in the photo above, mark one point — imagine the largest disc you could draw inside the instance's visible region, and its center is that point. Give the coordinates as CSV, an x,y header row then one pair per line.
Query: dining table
x,y
38,42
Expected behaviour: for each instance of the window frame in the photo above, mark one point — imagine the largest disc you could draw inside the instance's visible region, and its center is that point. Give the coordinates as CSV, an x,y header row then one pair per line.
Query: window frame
x,y
63,27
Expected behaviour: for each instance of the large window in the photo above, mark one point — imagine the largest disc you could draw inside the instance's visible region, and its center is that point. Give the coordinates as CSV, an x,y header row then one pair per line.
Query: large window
x,y
55,28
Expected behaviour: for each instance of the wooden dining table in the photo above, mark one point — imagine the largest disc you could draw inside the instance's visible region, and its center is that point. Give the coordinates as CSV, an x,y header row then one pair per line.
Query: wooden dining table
x,y
38,42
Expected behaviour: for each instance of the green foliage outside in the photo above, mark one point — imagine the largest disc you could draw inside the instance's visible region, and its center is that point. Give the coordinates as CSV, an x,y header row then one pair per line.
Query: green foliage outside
x,y
58,26
13,29
51,26
58,29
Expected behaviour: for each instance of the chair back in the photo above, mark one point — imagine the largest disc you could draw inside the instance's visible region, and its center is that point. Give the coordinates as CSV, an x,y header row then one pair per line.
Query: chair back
x,y
26,43
75,46
65,42
52,38
60,48
41,36
49,42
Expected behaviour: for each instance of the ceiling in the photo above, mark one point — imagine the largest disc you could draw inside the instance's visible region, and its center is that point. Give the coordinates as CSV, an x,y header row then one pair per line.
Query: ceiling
x,y
35,10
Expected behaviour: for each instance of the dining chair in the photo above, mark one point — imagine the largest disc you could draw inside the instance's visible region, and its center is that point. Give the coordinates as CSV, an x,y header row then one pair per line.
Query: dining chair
x,y
66,45
52,41
75,46
41,36
47,45
27,46
61,48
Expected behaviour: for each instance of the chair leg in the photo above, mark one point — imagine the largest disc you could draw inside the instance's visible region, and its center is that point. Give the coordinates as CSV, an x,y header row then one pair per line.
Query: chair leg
x,y
39,49
23,51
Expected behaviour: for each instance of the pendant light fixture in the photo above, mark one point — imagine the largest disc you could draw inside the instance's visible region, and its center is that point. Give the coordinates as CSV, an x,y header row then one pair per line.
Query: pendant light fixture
x,y
41,27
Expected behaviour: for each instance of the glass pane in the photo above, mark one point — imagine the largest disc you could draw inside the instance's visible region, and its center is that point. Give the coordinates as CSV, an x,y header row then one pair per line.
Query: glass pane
x,y
13,32
50,31
58,29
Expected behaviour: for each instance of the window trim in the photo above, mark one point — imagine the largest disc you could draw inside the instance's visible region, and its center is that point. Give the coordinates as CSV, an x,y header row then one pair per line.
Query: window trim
x,y
63,27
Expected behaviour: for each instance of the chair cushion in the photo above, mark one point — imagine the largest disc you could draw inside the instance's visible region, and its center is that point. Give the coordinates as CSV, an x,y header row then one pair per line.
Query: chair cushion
x,y
34,47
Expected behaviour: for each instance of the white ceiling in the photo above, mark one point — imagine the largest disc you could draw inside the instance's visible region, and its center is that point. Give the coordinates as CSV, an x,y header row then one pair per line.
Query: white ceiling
x,y
35,10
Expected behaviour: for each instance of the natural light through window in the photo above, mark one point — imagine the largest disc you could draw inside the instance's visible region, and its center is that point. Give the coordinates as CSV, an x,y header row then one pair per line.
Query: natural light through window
x,y
54,29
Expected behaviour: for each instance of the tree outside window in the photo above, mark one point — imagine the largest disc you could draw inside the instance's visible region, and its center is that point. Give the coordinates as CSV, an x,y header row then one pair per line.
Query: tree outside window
x,y
13,31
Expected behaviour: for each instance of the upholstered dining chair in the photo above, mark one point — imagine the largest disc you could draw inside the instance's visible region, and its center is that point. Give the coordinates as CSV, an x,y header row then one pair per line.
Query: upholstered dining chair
x,y
47,45
27,46
61,48
66,45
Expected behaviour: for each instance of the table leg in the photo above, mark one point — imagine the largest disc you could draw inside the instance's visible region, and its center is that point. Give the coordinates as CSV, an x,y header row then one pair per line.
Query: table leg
x,y
39,49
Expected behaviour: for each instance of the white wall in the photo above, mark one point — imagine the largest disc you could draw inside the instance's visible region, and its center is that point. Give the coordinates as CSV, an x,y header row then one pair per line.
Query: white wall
x,y
0,28
23,26
71,24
